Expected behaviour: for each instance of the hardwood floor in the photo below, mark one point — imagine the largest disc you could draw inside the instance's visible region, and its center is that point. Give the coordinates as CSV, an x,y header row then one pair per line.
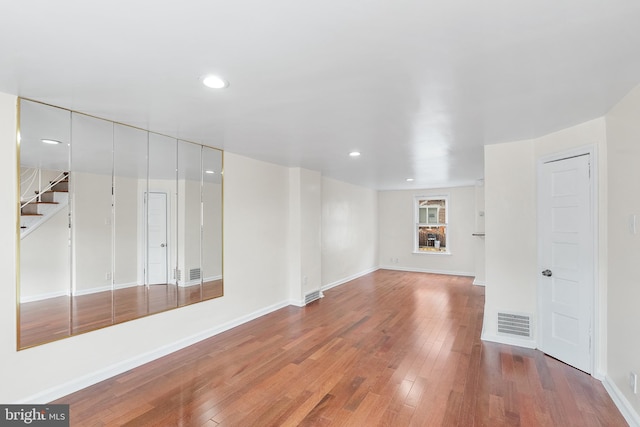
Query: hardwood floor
x,y
390,349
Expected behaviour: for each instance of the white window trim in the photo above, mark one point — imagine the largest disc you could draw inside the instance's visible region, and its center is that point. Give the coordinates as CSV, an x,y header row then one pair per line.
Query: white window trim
x,y
417,224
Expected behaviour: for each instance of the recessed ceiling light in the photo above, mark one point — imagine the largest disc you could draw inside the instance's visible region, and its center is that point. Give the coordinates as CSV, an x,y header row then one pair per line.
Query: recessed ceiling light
x,y
209,171
51,141
215,82
354,153
409,179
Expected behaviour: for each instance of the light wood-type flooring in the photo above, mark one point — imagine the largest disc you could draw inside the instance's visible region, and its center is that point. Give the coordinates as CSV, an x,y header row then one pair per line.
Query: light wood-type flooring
x,y
388,349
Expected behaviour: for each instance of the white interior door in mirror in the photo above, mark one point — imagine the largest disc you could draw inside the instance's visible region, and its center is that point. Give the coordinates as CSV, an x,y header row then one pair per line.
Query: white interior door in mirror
x,y
157,238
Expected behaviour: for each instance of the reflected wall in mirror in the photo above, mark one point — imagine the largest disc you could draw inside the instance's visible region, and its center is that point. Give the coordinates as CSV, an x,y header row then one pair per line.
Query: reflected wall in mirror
x,y
90,182
116,223
129,183
211,252
189,225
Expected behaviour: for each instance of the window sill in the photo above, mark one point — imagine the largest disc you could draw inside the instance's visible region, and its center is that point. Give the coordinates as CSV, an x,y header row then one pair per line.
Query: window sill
x,y
431,253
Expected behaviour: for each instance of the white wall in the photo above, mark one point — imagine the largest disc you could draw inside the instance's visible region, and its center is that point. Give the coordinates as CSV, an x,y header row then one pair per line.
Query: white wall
x,y
44,259
305,229
311,230
478,241
510,225
396,210
295,236
42,373
212,232
349,231
189,194
91,231
126,233
623,319
511,230
256,208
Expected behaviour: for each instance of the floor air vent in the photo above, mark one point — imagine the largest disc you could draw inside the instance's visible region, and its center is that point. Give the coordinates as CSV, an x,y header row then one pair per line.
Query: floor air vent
x,y
518,325
311,297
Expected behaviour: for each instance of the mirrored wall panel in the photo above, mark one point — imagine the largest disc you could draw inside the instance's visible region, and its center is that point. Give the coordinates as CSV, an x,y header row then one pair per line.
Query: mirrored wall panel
x,y
45,257
129,186
116,223
90,182
189,224
211,251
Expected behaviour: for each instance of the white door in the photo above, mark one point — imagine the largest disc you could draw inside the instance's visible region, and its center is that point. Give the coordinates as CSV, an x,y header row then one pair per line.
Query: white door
x,y
566,276
157,238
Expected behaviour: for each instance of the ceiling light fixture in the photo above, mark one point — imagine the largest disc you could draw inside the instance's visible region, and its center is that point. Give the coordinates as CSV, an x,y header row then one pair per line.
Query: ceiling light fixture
x,y
209,171
409,180
51,141
354,153
214,82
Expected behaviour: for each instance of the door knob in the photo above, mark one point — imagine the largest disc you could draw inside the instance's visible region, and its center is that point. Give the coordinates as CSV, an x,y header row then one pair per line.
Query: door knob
x,y
547,273
162,245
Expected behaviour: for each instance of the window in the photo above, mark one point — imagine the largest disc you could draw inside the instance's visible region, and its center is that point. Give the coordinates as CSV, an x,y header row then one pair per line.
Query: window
x,y
432,224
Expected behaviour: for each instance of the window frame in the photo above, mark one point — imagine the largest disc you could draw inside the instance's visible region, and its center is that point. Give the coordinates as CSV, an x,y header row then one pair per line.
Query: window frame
x,y
417,224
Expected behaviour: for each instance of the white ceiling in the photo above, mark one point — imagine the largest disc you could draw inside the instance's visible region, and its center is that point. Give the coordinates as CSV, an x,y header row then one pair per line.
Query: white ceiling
x,y
417,86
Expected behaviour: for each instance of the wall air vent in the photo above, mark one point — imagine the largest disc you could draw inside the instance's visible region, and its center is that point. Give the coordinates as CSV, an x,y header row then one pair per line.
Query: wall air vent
x,y
518,325
311,297
194,274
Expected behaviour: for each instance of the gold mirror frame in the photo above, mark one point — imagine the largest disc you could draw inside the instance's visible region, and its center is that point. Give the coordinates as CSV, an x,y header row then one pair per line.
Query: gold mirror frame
x,y
190,277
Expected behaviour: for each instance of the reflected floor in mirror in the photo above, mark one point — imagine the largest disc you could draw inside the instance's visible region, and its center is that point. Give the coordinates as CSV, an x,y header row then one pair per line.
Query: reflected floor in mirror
x,y
49,320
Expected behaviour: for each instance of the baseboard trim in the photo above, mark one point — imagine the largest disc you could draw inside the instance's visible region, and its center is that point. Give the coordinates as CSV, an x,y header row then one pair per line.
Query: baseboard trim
x,y
348,279
599,376
126,285
623,404
40,297
427,270
105,288
509,341
92,290
189,283
125,365
479,282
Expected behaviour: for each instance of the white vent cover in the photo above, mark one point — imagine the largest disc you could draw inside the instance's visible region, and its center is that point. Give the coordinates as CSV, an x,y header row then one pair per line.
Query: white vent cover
x,y
311,297
194,274
513,324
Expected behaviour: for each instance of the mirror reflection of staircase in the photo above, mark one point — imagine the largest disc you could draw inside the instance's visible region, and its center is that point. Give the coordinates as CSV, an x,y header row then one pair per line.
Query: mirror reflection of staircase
x,y
41,206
